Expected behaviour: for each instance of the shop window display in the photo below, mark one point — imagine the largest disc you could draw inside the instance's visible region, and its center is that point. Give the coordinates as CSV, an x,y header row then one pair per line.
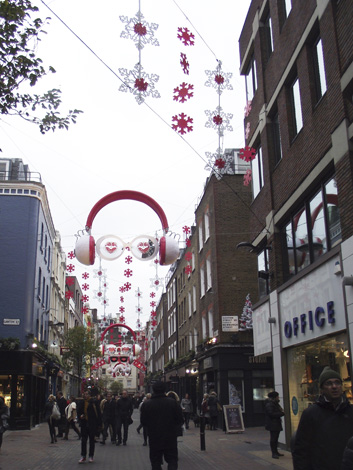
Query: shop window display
x,y
305,364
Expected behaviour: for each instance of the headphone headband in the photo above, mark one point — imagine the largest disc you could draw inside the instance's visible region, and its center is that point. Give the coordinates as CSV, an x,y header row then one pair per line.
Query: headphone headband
x,y
126,194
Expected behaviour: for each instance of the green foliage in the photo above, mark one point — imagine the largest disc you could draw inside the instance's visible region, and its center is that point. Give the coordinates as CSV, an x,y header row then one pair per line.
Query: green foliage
x,y
83,347
116,387
19,36
9,344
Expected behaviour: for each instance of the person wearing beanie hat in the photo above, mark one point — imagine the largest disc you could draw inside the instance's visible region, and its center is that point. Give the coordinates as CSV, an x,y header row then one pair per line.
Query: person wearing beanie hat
x,y
273,415
324,427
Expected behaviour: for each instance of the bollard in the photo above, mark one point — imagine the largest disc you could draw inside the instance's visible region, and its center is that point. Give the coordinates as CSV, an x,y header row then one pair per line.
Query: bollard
x,y
202,433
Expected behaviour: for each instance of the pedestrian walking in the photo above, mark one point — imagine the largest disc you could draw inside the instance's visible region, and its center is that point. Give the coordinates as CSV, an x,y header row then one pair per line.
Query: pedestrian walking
x,y
213,404
4,416
186,406
162,416
71,418
324,427
273,415
108,417
123,415
50,417
90,420
62,404
174,396
205,410
144,429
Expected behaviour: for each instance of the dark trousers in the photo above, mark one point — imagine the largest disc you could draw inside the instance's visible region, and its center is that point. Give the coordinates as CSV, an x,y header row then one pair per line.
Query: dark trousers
x,y
170,455
51,424
274,435
71,424
111,426
186,419
87,434
122,421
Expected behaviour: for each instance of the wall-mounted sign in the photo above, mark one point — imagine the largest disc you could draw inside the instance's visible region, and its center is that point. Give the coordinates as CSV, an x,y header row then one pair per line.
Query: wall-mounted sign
x,y
11,321
230,323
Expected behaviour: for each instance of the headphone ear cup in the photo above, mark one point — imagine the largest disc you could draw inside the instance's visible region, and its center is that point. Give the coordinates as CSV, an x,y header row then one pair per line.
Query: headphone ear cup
x,y
85,250
168,251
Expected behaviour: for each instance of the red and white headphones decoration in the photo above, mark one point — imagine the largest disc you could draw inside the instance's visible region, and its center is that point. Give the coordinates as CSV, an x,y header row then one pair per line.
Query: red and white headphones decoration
x,y
143,247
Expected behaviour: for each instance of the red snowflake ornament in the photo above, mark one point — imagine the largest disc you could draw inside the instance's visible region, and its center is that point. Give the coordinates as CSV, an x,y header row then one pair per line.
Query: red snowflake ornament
x,y
121,309
186,36
183,123
183,92
85,275
71,255
219,79
188,269
140,29
70,281
248,154
247,108
247,177
121,299
85,286
186,229
184,64
188,256
127,286
84,310
220,163
217,120
140,84
85,298
69,294
152,294
128,272
188,242
128,260
70,268
152,304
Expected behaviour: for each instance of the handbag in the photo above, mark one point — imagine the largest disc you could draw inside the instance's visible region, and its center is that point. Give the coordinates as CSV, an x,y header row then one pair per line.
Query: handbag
x,y
55,414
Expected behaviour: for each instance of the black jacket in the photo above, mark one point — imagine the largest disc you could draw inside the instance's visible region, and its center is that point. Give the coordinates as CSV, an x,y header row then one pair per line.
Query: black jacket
x,y
273,415
123,408
347,461
322,435
108,411
161,416
94,417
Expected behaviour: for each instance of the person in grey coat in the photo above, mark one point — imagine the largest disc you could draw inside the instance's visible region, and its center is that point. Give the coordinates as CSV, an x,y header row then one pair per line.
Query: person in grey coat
x,y
186,406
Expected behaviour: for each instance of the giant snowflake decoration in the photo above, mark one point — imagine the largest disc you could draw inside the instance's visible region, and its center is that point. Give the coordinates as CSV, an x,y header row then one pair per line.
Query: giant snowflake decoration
x,y
139,31
183,123
218,79
186,36
184,63
156,282
219,120
139,83
183,92
220,164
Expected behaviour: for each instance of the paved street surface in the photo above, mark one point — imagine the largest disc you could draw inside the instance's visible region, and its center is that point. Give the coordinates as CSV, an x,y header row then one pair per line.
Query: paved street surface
x,y
31,450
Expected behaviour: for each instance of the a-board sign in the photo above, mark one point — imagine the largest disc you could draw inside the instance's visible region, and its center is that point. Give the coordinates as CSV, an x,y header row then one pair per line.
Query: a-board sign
x,y
233,418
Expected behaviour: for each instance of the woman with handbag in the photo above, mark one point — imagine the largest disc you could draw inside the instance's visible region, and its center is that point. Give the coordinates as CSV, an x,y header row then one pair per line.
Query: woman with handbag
x,y
4,416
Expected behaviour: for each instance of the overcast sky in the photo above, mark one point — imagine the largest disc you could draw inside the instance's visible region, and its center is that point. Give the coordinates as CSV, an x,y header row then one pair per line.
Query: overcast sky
x,y
118,144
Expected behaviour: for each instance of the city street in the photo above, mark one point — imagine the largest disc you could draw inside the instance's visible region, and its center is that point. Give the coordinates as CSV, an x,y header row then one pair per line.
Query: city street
x,y
31,450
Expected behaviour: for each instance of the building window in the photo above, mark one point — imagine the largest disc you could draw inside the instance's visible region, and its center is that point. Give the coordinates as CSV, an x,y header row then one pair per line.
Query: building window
x,y
200,237
45,247
268,35
190,303
204,327
194,299
250,80
297,117
263,273
314,229
319,70
39,282
202,281
209,274
193,261
257,173
207,225
41,238
277,144
287,7
210,323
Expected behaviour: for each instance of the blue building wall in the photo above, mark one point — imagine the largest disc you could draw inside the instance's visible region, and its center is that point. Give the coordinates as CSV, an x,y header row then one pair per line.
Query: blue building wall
x,y
21,258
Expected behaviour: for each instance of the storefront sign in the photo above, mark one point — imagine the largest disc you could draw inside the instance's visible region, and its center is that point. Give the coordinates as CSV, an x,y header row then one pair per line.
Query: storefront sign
x,y
11,321
312,307
309,320
230,323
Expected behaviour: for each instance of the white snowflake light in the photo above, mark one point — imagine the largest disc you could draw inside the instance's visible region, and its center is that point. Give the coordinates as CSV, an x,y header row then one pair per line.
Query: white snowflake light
x,y
218,79
139,83
139,31
219,120
220,164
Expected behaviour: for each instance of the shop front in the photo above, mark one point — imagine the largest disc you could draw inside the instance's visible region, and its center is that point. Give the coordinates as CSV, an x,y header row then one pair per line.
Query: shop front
x,y
305,325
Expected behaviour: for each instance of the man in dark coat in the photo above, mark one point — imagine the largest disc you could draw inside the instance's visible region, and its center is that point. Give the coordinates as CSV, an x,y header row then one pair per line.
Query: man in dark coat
x,y
123,412
324,427
108,417
273,414
62,404
162,416
90,420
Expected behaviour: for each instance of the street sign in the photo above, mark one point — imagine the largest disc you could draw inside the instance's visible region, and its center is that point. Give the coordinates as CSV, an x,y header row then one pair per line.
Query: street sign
x,y
230,323
11,321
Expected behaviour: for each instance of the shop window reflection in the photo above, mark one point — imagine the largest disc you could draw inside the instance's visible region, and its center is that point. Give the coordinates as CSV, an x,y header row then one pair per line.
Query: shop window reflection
x,y
5,388
306,363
